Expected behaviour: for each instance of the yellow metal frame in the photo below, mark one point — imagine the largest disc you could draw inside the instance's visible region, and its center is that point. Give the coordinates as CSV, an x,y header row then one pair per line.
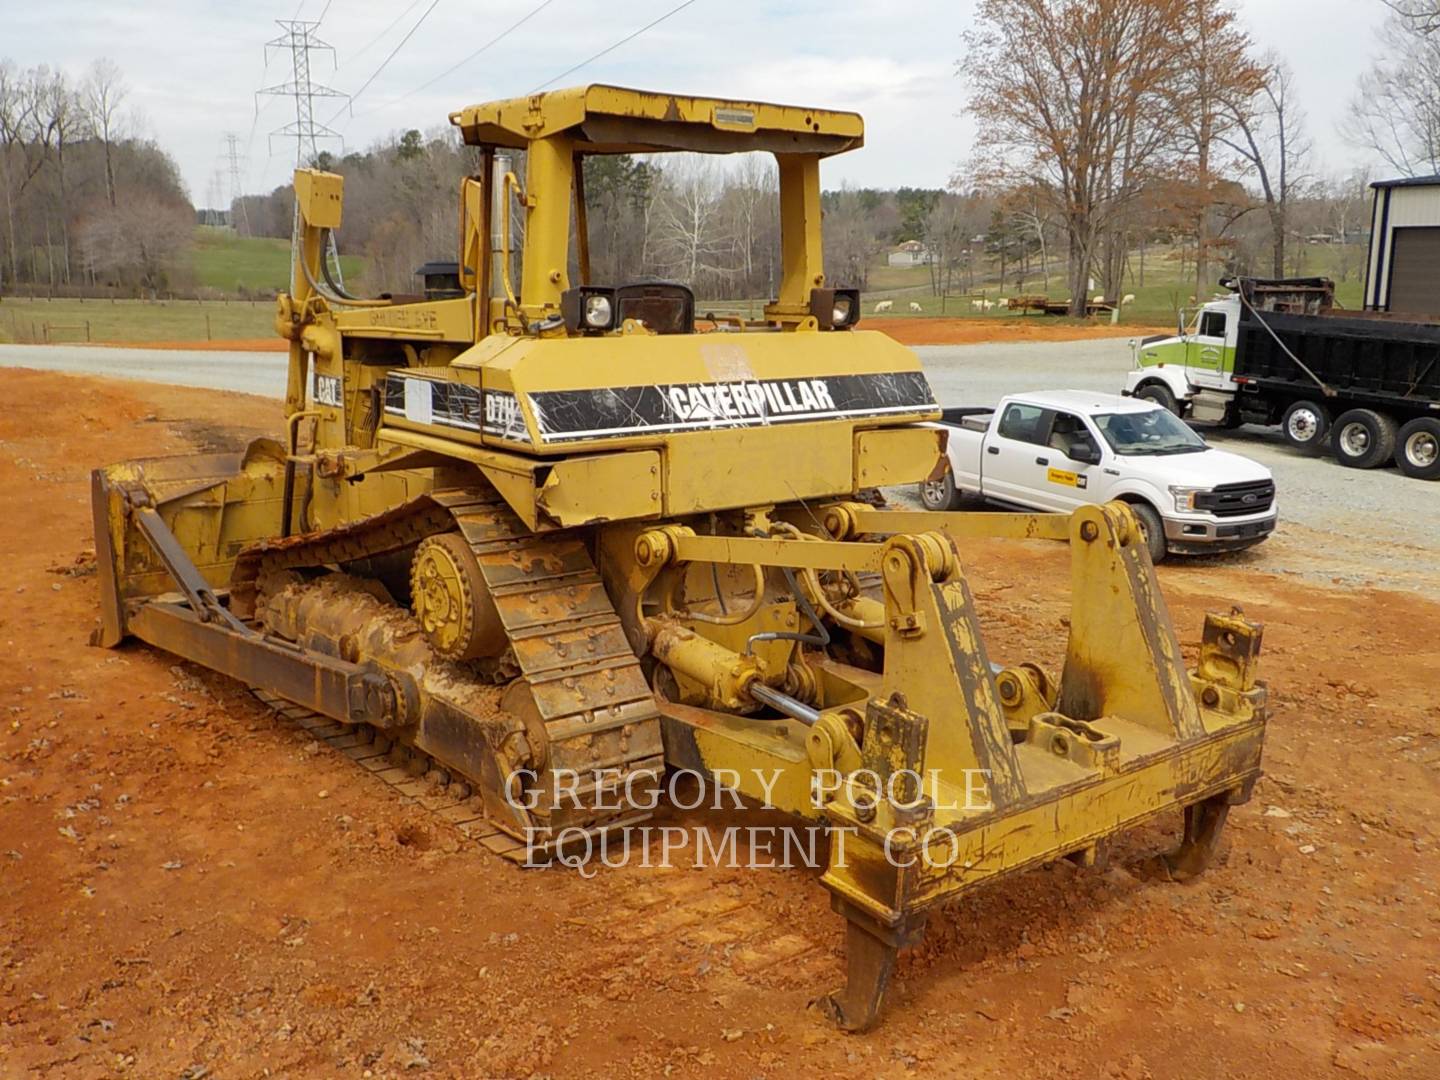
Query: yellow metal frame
x,y
1010,768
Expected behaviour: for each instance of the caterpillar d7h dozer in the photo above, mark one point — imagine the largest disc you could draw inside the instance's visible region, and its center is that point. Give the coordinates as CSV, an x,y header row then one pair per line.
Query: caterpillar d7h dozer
x,y
528,525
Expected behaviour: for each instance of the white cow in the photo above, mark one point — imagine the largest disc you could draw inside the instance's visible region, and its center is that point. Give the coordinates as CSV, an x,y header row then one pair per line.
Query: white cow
x,y
978,305
988,304
915,307
884,305
1099,299
1002,303
1128,298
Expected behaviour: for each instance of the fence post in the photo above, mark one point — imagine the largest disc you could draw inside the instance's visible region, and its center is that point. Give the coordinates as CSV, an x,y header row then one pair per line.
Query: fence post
x,y
87,331
207,327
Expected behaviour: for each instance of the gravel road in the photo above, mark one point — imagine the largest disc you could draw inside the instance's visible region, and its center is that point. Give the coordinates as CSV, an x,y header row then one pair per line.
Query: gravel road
x,y
246,372
1337,525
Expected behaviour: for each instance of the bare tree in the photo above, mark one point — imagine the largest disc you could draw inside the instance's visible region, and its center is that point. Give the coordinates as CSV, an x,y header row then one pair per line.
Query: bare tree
x,y
1031,208
856,227
1422,16
1269,136
693,239
138,242
1396,110
1215,73
1077,97
101,95
61,115
24,142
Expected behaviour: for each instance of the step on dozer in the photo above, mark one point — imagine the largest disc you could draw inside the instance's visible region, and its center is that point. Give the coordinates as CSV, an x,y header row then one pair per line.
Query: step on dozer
x,y
537,541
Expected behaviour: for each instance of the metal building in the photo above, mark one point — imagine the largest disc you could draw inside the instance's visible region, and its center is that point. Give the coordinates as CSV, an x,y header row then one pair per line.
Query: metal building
x,y
1403,270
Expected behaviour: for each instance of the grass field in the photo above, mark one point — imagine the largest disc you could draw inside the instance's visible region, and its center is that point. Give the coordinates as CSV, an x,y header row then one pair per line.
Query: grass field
x,y
254,262
1155,303
258,264
68,321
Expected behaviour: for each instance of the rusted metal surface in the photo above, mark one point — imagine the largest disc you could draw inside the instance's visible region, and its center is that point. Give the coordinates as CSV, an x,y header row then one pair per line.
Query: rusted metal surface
x,y
335,688
579,682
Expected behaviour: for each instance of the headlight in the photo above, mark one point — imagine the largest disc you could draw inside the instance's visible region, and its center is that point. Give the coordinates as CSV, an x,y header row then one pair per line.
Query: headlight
x,y
835,309
588,309
597,312
1185,497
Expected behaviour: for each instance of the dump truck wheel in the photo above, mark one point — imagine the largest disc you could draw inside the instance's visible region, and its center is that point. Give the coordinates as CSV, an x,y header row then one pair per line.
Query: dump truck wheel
x,y
448,594
1152,529
1305,425
1417,449
940,494
1160,394
1364,438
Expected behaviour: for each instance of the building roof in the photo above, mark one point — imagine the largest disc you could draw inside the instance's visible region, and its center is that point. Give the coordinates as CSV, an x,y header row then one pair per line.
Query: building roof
x,y
1409,181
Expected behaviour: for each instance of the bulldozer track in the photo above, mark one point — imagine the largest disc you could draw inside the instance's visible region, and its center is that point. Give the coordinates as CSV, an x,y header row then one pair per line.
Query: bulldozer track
x,y
412,774
586,684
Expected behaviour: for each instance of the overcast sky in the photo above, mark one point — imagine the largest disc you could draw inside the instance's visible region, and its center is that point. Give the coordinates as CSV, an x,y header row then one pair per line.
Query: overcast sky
x,y
193,67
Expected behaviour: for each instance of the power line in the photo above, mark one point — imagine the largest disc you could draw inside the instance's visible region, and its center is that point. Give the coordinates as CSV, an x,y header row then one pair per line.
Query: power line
x,y
606,51
536,10
376,74
383,33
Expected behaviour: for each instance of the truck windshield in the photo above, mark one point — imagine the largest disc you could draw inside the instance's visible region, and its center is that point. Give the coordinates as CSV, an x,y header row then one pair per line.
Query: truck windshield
x,y
1155,431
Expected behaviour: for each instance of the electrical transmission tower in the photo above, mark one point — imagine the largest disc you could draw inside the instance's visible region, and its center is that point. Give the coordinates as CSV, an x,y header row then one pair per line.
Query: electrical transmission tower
x,y
300,41
237,195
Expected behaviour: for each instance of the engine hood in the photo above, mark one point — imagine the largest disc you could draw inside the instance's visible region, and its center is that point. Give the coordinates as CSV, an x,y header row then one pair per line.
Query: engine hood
x,y
1208,469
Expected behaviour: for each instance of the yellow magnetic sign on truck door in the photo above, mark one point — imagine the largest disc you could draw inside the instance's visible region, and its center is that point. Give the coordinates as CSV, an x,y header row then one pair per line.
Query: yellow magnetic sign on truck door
x,y
1060,476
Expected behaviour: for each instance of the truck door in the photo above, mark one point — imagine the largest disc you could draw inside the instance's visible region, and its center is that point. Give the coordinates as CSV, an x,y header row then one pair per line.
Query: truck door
x,y
1207,354
1011,468
1070,475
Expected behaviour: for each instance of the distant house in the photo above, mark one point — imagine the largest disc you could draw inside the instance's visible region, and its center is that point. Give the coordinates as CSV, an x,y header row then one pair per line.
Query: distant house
x,y
910,253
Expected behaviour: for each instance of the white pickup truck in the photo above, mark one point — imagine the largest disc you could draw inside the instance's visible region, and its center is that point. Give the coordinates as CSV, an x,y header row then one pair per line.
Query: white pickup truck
x,y
1060,449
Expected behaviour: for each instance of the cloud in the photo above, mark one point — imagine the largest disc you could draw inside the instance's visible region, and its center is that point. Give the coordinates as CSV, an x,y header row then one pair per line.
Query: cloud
x,y
194,65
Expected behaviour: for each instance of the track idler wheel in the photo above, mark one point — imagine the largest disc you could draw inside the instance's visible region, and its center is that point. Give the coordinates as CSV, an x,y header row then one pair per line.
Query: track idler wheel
x,y
451,602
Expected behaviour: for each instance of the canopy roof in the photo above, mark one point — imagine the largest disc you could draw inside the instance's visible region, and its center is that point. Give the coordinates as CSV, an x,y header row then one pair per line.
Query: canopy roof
x,y
614,120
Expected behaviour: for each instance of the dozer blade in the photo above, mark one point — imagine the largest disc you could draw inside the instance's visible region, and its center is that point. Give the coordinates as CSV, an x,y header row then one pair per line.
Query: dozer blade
x,y
214,505
946,772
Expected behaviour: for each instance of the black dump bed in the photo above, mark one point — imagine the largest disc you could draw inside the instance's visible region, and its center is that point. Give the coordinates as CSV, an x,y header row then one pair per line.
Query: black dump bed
x,y
1356,354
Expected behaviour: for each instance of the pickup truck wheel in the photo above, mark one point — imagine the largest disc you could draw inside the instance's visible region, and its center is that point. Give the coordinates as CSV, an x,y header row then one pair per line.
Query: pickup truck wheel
x,y
1160,394
1305,425
1152,529
1364,438
1417,449
940,494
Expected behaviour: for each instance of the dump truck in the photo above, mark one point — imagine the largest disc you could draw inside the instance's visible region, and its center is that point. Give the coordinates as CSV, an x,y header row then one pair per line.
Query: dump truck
x,y
1363,384
549,528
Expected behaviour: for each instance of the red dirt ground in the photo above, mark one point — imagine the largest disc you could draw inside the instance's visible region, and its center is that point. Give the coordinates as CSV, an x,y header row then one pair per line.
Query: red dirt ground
x,y
927,330
191,887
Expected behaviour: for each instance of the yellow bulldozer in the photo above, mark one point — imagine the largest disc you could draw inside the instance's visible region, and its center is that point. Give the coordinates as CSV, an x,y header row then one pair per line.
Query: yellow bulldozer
x,y
531,527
